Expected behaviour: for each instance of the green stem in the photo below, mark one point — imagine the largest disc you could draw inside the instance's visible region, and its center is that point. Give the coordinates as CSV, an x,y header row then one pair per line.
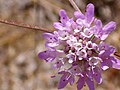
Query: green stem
x,y
92,37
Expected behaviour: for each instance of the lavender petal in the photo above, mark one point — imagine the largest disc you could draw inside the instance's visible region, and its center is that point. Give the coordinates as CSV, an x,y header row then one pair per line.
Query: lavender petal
x,y
89,12
48,55
63,16
90,83
63,81
80,83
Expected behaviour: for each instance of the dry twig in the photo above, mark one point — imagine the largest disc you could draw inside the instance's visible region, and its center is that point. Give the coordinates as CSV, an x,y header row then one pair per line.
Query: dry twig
x,y
74,5
25,25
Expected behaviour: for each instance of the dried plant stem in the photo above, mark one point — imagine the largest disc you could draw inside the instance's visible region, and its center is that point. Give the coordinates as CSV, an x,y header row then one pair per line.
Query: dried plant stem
x,y
117,54
25,26
74,5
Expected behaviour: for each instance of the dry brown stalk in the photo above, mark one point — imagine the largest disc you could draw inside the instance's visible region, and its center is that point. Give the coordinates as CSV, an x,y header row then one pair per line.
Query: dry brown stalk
x,y
22,25
117,54
74,5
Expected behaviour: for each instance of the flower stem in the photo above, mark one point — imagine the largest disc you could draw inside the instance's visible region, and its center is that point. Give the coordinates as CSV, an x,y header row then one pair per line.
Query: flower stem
x,y
25,26
74,5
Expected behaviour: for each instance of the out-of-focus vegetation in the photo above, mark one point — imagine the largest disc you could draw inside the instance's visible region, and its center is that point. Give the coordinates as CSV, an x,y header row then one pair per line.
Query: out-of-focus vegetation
x,y
20,68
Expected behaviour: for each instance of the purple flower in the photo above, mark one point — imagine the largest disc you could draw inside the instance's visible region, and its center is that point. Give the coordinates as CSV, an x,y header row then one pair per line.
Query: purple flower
x,y
75,52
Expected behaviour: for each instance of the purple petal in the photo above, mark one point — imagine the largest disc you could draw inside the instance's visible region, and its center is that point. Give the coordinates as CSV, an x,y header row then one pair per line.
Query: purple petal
x,y
116,66
79,21
52,40
97,75
89,12
63,81
58,64
75,70
109,27
109,61
49,36
71,80
89,74
51,44
63,16
98,24
79,15
116,63
48,55
90,83
108,50
104,36
74,25
97,28
58,26
69,23
80,83
104,66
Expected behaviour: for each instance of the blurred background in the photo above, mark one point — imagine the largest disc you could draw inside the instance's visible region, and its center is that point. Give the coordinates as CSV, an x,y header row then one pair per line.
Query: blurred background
x,y
20,68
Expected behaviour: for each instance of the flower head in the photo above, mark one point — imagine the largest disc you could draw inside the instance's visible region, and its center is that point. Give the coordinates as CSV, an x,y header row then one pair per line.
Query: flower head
x,y
75,50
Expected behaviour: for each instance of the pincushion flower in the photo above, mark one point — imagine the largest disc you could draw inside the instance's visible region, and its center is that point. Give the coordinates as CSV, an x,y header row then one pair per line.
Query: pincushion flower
x,y
77,48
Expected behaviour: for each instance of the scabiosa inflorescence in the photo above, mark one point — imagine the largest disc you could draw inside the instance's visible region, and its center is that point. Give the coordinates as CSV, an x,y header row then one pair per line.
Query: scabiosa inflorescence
x,y
77,49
